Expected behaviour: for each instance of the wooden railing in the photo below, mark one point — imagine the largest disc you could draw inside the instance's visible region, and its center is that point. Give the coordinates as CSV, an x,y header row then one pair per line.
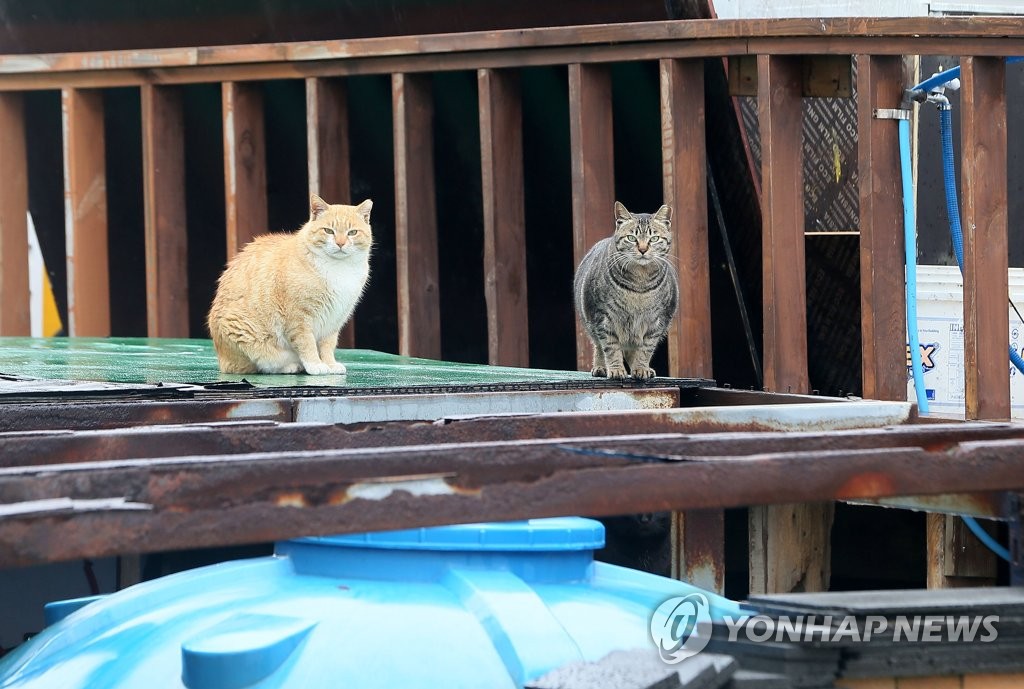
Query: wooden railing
x,y
780,48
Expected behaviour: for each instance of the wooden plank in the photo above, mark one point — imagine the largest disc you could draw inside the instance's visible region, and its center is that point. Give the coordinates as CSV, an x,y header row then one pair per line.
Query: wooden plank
x,y
85,214
163,182
933,32
789,544
501,58
699,536
593,171
15,316
245,166
780,116
984,221
328,155
501,160
880,82
684,166
419,310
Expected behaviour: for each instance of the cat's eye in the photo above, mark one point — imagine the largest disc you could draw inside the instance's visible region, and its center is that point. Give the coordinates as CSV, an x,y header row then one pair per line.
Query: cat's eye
x,y
328,230
353,233
631,239
657,239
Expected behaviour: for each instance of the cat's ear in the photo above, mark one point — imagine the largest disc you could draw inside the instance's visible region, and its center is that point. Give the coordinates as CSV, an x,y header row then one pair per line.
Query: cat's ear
x,y
317,206
364,209
663,215
621,214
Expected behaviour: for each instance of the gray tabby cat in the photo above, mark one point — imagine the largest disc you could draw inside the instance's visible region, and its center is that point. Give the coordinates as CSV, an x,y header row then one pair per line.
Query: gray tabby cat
x,y
626,292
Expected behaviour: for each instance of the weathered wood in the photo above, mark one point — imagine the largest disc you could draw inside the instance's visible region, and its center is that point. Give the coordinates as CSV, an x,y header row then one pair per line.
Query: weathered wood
x,y
163,181
984,221
593,170
85,214
245,164
328,154
789,544
880,82
684,166
501,159
955,557
881,35
15,315
419,309
780,116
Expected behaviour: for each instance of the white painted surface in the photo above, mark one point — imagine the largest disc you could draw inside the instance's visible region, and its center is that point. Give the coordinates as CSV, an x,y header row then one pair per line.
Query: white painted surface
x,y
35,281
746,9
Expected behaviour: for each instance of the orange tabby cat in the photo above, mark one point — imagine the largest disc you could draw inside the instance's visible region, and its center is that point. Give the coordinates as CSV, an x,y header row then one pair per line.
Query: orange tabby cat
x,y
282,300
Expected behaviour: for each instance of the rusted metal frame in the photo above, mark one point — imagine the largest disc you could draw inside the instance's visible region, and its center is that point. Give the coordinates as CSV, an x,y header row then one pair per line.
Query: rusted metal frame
x,y
15,315
76,416
416,249
90,511
511,58
245,164
85,213
501,160
328,154
163,181
881,81
592,153
61,445
984,220
886,30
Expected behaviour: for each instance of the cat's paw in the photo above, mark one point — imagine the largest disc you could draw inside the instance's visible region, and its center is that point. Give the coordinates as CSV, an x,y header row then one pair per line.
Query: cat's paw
x,y
617,372
599,372
643,372
317,369
338,368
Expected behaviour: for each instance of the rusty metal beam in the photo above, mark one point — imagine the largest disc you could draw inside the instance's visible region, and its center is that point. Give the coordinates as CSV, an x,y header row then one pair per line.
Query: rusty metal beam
x,y
102,508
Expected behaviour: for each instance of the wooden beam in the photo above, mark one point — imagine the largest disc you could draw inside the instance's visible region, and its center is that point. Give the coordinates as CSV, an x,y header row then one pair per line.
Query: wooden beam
x,y
698,536
880,82
986,292
328,154
789,544
780,116
15,315
501,159
684,179
419,310
163,181
85,214
955,557
593,170
245,164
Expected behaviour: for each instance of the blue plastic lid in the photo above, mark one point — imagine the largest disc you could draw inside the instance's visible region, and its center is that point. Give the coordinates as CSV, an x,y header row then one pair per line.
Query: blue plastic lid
x,y
552,534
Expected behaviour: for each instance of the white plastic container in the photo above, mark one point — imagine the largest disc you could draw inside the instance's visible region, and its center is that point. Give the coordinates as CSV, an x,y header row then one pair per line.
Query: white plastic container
x,y
940,327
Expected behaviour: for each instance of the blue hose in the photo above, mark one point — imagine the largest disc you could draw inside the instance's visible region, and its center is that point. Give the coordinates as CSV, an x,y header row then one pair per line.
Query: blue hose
x,y
910,249
986,538
941,78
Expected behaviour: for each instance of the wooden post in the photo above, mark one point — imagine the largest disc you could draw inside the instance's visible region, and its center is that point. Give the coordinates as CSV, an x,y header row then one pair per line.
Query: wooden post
x,y
15,313
698,535
789,544
501,159
593,170
245,164
163,180
955,557
328,154
85,213
880,83
419,309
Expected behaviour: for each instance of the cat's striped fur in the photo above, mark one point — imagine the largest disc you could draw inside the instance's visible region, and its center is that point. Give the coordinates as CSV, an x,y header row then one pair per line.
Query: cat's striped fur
x,y
626,292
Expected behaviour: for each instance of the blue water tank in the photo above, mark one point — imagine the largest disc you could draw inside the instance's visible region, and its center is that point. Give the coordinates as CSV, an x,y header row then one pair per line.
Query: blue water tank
x,y
479,605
